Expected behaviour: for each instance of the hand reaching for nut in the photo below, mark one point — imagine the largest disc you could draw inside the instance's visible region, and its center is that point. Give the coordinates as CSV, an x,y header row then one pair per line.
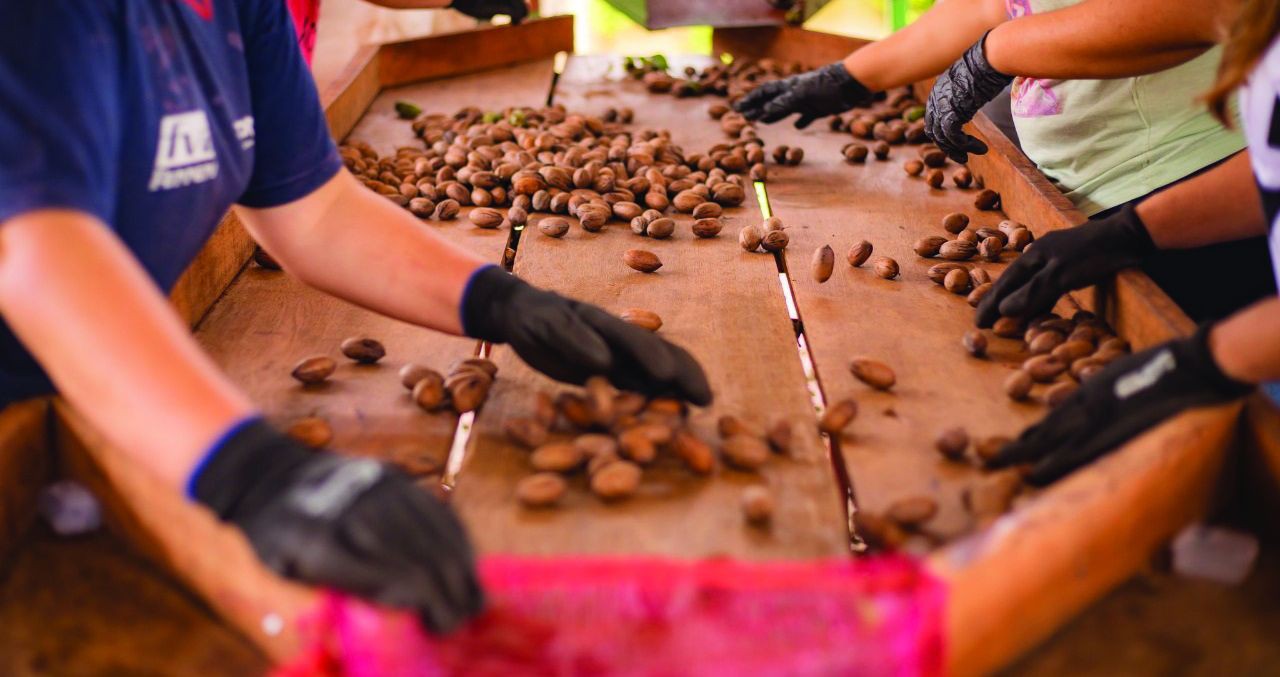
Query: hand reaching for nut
x,y
571,341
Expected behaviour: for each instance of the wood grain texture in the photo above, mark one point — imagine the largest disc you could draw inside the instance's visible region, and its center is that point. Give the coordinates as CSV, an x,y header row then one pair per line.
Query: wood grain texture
x,y
476,50
1013,584
726,307
347,98
1262,462
213,269
185,540
910,323
89,606
1134,305
24,468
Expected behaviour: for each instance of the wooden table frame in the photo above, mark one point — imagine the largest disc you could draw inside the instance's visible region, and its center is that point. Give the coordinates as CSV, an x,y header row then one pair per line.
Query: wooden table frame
x,y
1010,585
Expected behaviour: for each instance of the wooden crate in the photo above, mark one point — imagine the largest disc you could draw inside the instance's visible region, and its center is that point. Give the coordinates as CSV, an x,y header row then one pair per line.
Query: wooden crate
x,y
1010,584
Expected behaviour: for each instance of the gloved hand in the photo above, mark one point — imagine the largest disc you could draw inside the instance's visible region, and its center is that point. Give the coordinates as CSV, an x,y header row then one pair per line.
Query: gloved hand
x,y
957,96
572,341
487,9
818,93
1063,261
354,524
1126,398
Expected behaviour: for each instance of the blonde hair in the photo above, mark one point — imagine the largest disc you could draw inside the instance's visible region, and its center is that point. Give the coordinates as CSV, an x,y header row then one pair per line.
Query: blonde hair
x,y
1247,40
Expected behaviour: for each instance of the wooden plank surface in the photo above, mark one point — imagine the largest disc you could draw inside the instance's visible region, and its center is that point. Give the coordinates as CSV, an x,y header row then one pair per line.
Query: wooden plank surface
x,y
25,467
486,49
1013,584
1134,305
268,320
184,539
89,606
726,307
909,323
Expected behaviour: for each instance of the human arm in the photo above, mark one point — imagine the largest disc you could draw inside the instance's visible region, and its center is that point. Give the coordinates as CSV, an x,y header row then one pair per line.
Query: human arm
x,y
927,46
1247,344
108,339
1220,205
350,242
1098,39
1217,364
920,50
355,244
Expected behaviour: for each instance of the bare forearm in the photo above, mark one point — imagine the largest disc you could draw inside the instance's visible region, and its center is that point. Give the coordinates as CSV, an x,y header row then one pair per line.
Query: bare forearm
x,y
1105,39
1220,205
926,47
356,245
109,340
1247,344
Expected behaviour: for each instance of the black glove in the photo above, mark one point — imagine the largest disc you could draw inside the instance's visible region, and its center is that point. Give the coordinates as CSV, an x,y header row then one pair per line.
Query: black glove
x,y
826,91
1129,396
1066,260
487,9
354,524
957,96
572,341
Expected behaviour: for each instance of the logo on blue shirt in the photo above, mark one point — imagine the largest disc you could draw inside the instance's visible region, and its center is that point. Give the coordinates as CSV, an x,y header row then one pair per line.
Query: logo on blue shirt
x,y
184,153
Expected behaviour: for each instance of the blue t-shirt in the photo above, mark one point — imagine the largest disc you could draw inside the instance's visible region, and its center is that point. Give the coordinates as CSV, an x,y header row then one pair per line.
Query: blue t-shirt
x,y
155,116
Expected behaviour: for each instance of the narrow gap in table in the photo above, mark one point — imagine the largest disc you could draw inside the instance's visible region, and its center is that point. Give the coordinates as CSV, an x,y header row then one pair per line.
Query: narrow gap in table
x,y
835,456
466,422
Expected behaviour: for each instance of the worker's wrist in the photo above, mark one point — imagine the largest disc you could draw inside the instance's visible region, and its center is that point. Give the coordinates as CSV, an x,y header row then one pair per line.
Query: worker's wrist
x,y
1230,361
244,467
485,302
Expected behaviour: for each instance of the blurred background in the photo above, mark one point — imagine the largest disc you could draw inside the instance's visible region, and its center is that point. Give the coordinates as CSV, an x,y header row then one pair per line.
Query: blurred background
x,y
345,25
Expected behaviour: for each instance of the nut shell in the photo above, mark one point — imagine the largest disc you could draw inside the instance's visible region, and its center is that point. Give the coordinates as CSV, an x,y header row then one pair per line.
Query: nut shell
x,y
886,268
876,374
363,349
314,370
616,480
859,253
645,319
541,490
642,260
824,262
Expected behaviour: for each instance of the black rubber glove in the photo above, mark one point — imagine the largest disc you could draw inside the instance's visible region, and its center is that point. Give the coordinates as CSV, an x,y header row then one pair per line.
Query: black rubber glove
x,y
487,9
572,341
958,94
1066,260
1131,395
354,524
818,93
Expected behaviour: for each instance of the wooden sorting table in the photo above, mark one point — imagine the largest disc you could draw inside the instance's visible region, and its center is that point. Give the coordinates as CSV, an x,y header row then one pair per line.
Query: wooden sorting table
x,y
1011,583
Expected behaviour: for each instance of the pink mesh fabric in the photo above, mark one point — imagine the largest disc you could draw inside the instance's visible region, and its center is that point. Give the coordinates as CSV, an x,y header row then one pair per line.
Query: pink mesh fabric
x,y
879,616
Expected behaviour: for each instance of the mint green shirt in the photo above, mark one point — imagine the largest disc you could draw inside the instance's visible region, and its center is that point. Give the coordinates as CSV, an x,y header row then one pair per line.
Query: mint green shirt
x,y
1106,142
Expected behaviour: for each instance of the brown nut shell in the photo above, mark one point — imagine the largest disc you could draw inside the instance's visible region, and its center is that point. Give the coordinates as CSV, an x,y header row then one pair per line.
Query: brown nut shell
x,y
541,490
363,349
859,253
645,319
876,374
745,452
314,370
823,263
642,260
838,416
